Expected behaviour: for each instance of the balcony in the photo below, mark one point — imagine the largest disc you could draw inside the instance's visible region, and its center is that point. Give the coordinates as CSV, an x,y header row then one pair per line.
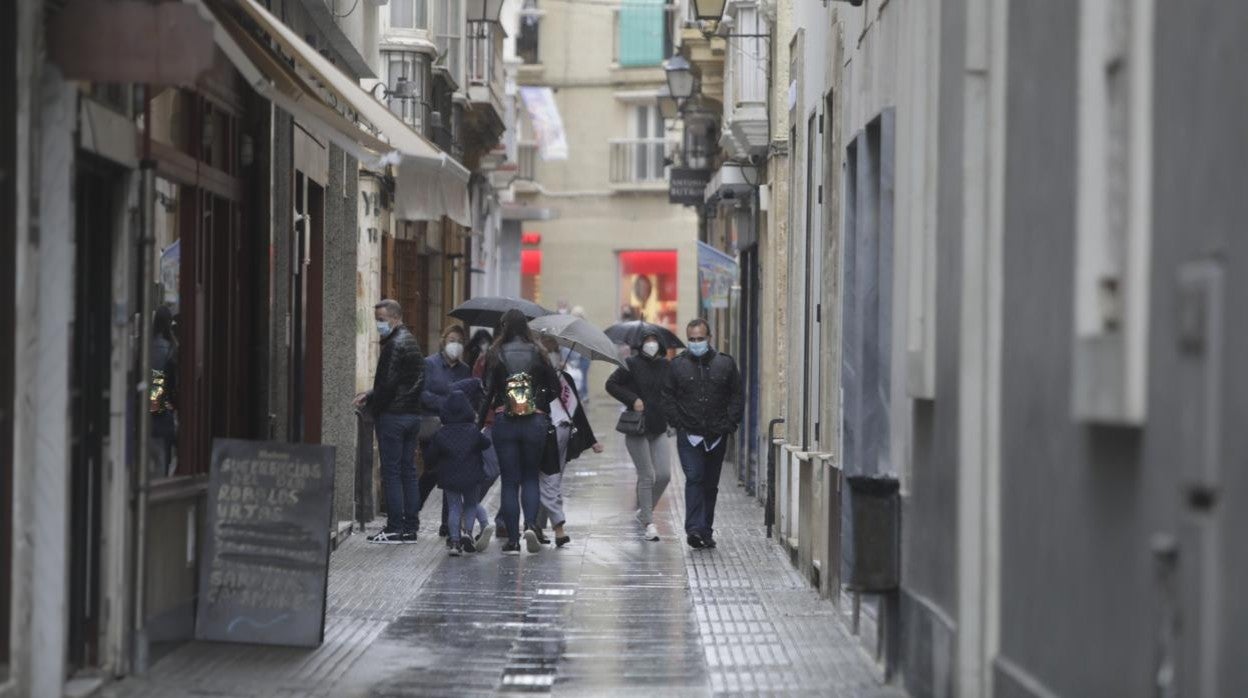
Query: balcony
x,y
484,123
638,164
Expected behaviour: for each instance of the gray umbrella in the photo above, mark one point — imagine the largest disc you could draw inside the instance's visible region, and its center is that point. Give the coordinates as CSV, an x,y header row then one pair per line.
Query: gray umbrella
x,y
486,311
578,335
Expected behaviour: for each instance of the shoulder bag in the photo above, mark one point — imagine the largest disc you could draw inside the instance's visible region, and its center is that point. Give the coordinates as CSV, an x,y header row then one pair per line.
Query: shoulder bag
x,y
631,423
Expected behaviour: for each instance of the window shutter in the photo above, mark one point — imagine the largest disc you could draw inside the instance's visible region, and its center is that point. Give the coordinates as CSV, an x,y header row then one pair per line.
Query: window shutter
x,y
641,32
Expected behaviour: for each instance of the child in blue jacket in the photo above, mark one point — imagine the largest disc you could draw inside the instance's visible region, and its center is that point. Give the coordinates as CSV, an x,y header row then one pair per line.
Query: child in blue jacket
x,y
456,452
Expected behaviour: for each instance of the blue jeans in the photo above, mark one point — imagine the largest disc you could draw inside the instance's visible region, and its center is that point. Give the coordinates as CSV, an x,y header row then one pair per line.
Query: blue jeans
x,y
463,508
702,471
396,443
519,442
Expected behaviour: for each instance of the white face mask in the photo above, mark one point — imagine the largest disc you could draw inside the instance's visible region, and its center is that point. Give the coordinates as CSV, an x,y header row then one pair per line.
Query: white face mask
x,y
651,348
454,350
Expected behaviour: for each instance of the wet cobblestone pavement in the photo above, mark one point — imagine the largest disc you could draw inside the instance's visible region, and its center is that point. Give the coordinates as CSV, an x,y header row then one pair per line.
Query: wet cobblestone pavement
x,y
608,615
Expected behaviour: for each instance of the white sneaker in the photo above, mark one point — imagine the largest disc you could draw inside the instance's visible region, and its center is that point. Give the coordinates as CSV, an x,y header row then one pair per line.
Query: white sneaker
x,y
652,532
483,540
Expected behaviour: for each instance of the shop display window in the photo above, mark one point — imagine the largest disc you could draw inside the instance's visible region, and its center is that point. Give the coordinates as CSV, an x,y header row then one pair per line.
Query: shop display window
x,y
648,287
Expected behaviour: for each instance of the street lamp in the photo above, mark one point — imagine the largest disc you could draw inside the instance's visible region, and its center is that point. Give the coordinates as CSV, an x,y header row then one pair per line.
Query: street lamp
x,y
669,108
679,77
484,10
708,10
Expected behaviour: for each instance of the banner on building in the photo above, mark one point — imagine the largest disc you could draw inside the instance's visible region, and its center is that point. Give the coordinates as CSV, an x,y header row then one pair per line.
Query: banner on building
x,y
717,274
539,102
687,186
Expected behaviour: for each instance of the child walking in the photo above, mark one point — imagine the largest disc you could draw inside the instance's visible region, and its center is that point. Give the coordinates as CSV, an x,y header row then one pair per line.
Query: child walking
x,y
456,451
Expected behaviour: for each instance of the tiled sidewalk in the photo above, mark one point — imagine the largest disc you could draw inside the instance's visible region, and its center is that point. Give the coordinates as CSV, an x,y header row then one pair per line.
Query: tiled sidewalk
x,y
610,615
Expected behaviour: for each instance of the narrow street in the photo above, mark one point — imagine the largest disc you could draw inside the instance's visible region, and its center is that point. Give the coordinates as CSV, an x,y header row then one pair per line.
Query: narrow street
x,y
609,615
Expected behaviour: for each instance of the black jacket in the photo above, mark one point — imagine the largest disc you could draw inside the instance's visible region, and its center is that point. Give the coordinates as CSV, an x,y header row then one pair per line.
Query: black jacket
x,y
400,375
455,452
642,377
582,438
703,395
517,357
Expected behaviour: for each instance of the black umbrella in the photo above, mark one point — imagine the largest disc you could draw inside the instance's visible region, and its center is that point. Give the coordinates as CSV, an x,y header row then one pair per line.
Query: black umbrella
x,y
633,331
486,311
578,335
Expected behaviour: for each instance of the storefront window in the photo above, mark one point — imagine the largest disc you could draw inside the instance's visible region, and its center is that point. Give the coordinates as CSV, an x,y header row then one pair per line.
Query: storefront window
x,y
648,288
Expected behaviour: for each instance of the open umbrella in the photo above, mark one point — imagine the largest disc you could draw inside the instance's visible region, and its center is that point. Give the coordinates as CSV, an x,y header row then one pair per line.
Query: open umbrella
x,y
633,331
578,335
486,311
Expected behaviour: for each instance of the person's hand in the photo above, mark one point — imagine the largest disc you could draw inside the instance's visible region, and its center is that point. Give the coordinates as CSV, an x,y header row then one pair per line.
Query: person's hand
x,y
599,448
360,399
638,405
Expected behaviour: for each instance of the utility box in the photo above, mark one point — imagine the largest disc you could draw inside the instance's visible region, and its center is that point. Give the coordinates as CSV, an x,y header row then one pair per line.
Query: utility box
x,y
871,553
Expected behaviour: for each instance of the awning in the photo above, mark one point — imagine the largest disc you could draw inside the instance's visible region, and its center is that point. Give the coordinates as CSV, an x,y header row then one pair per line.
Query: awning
x,y
430,184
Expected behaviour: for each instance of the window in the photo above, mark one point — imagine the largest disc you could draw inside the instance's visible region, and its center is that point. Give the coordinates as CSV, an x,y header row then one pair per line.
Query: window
x,y
1113,235
642,33
409,14
448,36
748,58
413,69
526,42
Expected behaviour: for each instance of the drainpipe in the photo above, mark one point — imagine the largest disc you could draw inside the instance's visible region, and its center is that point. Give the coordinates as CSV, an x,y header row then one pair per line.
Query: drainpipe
x,y
147,170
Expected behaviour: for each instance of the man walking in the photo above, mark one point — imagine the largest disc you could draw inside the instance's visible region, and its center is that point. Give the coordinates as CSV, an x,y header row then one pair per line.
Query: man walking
x,y
702,398
395,404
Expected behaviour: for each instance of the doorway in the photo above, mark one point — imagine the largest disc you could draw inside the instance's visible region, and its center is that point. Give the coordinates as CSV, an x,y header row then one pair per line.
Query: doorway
x,y
307,296
96,190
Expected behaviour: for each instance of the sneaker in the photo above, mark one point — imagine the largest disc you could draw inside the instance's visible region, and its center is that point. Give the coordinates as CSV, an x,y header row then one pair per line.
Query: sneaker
x,y
709,542
652,532
541,536
511,548
456,549
466,544
386,536
531,542
695,541
408,537
483,540
562,541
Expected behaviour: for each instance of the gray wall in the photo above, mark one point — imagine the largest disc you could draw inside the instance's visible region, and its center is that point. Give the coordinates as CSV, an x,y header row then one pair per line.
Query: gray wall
x,y
338,426
930,509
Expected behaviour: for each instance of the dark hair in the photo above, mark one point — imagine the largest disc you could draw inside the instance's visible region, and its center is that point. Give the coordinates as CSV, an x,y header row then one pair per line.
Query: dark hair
x,y
696,322
391,307
162,323
471,352
513,325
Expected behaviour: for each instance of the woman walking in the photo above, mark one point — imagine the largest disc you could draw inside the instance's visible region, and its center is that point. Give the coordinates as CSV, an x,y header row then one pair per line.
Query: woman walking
x,y
520,383
573,435
637,387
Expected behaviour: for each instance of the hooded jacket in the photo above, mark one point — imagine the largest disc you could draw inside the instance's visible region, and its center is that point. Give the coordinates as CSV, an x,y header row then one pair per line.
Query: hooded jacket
x,y
455,452
703,395
642,377
400,375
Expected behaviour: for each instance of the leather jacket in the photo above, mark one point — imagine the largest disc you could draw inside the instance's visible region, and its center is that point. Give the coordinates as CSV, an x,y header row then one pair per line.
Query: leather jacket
x,y
400,375
514,357
642,377
703,395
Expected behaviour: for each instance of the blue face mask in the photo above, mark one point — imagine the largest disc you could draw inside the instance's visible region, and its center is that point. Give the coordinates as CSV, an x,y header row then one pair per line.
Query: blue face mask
x,y
699,348
383,328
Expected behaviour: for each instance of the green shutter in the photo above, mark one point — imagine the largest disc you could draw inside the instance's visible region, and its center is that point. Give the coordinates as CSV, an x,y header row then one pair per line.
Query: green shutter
x,y
642,28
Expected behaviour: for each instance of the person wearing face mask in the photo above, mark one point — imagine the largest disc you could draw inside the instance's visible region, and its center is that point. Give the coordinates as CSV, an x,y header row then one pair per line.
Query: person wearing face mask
x,y
443,369
396,405
637,385
703,399
573,435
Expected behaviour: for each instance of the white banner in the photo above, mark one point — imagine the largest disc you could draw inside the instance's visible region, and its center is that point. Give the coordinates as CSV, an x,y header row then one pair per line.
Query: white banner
x,y
539,102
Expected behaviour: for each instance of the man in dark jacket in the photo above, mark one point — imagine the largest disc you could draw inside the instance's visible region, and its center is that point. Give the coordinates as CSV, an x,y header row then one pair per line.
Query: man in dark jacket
x,y
702,398
395,404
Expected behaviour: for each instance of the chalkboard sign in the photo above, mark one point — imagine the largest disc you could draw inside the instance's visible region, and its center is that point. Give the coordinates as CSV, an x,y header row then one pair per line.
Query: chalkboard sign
x,y
266,543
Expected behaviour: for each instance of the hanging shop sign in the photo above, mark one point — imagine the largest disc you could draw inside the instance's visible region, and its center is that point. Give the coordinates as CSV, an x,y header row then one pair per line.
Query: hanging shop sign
x,y
687,186
717,274
266,546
